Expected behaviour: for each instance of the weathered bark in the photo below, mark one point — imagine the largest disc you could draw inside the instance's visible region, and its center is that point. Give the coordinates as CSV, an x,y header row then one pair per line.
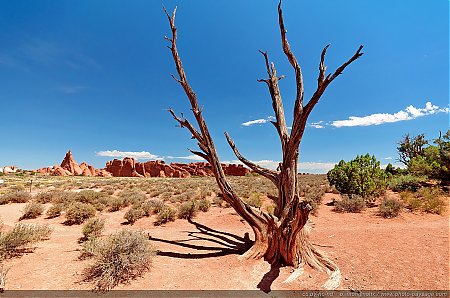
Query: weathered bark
x,y
281,238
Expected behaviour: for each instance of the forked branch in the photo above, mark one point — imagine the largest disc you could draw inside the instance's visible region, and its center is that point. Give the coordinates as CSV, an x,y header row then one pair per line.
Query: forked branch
x,y
269,174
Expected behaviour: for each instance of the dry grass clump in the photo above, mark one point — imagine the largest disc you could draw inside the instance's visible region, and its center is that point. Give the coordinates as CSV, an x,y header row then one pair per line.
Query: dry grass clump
x,y
165,215
15,241
119,258
390,207
14,196
218,201
93,227
426,199
350,203
32,210
108,189
77,213
156,205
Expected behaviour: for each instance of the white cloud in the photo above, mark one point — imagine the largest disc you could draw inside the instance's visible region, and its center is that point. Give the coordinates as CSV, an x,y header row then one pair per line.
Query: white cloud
x,y
308,167
316,124
409,113
133,154
189,157
388,158
259,121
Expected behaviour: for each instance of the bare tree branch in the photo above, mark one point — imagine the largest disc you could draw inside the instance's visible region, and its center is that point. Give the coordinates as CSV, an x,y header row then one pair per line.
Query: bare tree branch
x,y
269,174
277,103
298,71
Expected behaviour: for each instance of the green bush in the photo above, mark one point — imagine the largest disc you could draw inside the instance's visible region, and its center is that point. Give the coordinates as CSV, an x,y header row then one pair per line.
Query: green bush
x,y
54,210
122,256
406,182
15,196
134,213
350,203
165,215
78,212
203,205
361,176
32,210
390,207
93,227
22,235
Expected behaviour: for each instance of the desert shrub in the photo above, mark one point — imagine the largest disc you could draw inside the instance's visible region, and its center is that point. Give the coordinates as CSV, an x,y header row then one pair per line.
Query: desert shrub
x,y
21,235
132,196
133,214
254,200
54,210
187,210
32,210
166,214
361,176
77,213
115,204
426,199
218,201
433,200
203,205
350,203
90,247
109,190
390,207
93,227
406,183
165,195
44,197
147,208
122,256
15,196
313,196
411,201
156,204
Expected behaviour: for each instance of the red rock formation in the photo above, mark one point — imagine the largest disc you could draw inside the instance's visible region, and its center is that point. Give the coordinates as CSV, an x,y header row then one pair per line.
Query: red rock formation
x,y
87,169
70,164
102,173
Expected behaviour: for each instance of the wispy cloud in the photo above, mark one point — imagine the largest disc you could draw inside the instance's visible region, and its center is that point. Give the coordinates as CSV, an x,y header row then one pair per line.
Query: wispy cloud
x,y
72,89
259,121
133,154
189,157
409,113
388,158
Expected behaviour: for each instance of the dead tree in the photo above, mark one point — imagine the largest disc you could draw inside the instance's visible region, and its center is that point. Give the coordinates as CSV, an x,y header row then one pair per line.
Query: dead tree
x,y
281,238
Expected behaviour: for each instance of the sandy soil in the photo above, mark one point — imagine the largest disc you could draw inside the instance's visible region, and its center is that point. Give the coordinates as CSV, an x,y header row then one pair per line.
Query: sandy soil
x,y
407,252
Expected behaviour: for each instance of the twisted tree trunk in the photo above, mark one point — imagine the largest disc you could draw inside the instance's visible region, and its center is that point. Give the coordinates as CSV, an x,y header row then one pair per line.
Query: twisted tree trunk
x,y
281,238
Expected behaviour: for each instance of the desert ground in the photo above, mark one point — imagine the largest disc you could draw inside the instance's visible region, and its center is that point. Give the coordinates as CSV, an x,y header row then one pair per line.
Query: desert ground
x,y
410,251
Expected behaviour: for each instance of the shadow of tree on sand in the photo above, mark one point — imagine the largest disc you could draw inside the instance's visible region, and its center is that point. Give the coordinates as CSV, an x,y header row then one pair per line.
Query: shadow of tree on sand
x,y
226,243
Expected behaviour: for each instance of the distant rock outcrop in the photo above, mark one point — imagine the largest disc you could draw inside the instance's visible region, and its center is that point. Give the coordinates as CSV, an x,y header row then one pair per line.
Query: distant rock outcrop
x,y
70,167
9,169
128,167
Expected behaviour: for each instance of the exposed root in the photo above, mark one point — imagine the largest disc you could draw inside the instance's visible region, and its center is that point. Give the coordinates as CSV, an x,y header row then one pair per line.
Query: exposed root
x,y
255,252
318,260
294,275
3,273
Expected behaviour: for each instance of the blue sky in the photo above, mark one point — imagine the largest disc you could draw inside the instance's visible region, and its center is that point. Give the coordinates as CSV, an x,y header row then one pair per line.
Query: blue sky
x,y
94,77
